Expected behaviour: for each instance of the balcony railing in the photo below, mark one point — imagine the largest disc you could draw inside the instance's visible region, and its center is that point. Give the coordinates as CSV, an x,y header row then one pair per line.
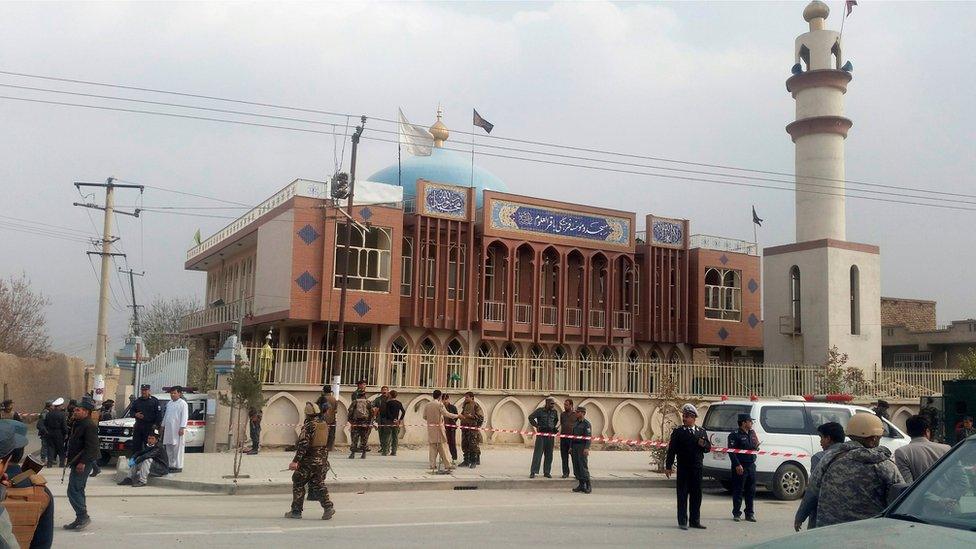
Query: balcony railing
x,y
622,320
598,319
569,374
494,311
723,244
222,314
548,315
574,317
523,313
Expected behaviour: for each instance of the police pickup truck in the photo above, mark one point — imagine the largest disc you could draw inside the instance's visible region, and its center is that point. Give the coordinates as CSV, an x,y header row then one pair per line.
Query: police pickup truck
x,y
115,435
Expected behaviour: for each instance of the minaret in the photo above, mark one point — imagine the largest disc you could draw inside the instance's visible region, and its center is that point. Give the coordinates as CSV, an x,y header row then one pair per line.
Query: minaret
x,y
818,86
821,291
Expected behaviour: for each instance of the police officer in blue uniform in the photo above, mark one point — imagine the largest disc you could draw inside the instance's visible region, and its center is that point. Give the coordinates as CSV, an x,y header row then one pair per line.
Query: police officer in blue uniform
x,y
743,468
689,443
580,451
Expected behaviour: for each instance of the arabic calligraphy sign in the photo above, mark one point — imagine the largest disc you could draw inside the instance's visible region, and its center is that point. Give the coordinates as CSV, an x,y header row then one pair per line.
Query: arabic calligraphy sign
x,y
525,218
667,232
445,201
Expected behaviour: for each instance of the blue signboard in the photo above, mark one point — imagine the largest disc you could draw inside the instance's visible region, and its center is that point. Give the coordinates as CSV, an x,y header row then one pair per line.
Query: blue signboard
x,y
512,216
442,200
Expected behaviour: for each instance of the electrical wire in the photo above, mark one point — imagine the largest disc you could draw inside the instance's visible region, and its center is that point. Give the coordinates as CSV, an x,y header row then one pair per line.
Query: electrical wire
x,y
487,136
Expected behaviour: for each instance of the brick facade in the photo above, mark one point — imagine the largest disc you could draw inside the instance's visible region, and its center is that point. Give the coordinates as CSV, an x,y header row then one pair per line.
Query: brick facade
x,y
915,314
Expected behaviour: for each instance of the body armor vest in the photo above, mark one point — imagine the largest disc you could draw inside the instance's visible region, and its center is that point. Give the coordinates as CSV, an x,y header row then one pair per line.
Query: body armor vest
x,y
320,437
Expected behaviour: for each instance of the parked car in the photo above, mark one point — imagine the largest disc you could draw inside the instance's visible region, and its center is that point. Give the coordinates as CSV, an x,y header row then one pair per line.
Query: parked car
x,y
782,426
115,435
938,508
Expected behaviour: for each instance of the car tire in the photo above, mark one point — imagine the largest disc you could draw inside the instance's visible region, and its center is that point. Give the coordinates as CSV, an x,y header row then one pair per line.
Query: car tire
x,y
726,485
789,482
104,459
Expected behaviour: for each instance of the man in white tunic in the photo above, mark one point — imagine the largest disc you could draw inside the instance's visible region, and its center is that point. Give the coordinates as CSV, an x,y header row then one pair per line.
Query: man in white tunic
x,y
174,427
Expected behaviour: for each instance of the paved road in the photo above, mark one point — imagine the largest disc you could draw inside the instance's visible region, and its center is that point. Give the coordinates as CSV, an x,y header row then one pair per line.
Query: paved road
x,y
483,518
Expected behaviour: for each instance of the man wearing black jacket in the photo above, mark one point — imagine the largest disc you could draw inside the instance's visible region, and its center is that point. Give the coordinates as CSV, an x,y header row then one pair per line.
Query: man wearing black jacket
x,y
55,426
151,461
689,443
146,411
82,452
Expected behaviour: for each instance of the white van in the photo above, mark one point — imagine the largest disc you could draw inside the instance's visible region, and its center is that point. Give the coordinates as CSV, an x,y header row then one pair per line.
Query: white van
x,y
782,426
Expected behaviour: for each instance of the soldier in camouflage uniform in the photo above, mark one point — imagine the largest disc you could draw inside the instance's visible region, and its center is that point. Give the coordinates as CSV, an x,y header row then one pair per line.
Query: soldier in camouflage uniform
x,y
311,463
854,481
471,416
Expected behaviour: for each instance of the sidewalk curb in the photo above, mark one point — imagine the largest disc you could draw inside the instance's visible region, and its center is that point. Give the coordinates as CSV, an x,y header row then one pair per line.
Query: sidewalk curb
x,y
355,486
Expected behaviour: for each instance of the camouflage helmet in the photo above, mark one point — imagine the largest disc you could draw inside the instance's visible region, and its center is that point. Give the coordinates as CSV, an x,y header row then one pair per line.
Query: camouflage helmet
x,y
865,425
311,409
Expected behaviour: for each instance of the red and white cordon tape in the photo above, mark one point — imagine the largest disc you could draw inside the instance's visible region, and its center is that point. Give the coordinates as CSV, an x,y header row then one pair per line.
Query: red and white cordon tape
x,y
605,440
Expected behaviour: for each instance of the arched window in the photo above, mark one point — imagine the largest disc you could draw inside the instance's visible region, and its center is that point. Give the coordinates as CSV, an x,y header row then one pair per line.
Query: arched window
x,y
607,363
633,371
795,298
723,294
537,363
427,358
585,369
510,366
485,363
559,368
855,300
455,363
406,268
456,272
398,362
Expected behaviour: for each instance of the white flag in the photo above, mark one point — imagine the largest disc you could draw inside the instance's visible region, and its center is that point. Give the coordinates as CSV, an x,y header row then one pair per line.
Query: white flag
x,y
416,139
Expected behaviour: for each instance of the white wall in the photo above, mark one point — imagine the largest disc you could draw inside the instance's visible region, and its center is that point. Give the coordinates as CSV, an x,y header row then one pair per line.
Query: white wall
x,y
273,275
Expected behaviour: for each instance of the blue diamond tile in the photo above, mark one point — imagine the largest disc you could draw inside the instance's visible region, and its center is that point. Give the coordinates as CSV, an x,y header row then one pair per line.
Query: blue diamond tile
x,y
308,234
366,213
723,259
753,320
306,281
753,285
361,307
723,333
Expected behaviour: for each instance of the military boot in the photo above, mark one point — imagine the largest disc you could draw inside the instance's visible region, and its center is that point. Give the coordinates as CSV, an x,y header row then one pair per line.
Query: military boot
x,y
352,454
363,456
293,514
579,487
465,463
587,487
328,513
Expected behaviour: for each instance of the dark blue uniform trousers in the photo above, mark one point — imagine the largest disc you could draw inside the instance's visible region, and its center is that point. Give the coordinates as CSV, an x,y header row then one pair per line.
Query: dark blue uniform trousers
x,y
743,485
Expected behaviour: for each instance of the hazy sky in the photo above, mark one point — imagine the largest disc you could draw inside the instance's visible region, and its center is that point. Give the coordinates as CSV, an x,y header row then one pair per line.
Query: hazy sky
x,y
693,81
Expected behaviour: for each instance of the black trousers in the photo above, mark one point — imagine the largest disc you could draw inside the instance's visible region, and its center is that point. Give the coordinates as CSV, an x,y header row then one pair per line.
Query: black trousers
x,y
139,435
689,494
744,485
581,465
564,446
451,433
55,448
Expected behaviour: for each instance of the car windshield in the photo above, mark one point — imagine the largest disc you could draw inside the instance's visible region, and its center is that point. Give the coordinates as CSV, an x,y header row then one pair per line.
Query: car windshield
x,y
725,417
947,495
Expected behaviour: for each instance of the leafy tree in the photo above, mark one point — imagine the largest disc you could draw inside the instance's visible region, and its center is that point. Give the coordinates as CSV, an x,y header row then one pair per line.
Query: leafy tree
x,y
837,376
669,408
968,364
245,393
23,327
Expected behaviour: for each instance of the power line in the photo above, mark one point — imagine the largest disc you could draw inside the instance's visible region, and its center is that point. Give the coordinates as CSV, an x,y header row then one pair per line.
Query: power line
x,y
522,150
491,137
36,232
535,160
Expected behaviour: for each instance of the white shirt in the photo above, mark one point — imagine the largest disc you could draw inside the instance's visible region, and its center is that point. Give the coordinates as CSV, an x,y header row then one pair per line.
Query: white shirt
x,y
177,412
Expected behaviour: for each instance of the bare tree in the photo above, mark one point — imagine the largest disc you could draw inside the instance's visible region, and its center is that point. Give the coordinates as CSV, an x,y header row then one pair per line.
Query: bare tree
x,y
161,322
23,328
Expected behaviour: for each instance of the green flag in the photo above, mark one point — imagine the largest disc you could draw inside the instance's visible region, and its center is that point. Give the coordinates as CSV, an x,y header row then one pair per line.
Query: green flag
x,y
196,237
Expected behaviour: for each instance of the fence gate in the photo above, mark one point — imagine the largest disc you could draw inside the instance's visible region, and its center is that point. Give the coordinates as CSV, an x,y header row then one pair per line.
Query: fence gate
x,y
166,369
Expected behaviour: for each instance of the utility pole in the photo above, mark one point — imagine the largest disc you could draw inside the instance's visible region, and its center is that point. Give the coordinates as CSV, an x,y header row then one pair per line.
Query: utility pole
x,y
101,338
136,330
341,336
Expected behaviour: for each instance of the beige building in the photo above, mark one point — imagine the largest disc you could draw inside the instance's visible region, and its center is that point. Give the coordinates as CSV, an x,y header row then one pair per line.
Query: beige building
x,y
911,338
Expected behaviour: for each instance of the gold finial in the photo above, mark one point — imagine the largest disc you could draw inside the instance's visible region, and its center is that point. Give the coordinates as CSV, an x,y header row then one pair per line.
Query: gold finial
x,y
439,130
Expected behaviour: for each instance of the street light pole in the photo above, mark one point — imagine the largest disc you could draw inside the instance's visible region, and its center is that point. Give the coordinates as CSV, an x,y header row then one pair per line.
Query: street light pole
x,y
341,328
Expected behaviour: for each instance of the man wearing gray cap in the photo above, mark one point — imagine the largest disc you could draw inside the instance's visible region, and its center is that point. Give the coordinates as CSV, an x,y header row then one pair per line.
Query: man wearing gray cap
x,y
10,441
689,444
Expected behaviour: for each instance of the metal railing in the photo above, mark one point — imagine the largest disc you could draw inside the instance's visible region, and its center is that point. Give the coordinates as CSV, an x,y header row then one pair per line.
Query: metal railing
x,y
723,244
212,316
547,315
423,371
598,319
622,320
523,313
574,317
494,311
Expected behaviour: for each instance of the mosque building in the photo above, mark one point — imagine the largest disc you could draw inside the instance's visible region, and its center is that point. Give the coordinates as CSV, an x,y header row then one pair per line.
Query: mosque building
x,y
491,289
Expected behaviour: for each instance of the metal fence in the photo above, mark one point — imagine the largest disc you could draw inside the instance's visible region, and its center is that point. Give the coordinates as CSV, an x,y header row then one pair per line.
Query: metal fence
x,y
578,374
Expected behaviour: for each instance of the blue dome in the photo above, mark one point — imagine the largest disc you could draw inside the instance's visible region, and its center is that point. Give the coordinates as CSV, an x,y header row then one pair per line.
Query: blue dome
x,y
442,166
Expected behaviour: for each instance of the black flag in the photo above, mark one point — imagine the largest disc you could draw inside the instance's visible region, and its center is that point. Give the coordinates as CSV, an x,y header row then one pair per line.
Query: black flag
x,y
481,122
755,217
